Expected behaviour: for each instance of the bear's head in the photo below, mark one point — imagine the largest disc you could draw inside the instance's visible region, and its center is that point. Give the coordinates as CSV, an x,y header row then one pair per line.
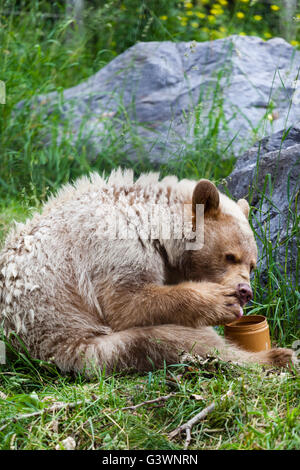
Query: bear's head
x,y
229,253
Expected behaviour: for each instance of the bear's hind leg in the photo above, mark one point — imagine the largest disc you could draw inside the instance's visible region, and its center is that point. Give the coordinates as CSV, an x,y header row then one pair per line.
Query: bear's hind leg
x,y
147,348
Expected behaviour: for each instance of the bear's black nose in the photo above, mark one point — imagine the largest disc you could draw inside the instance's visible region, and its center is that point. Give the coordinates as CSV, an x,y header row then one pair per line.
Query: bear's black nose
x,y
244,293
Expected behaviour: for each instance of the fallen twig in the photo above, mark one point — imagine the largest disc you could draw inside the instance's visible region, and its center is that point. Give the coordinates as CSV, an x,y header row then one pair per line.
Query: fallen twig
x,y
148,402
187,427
55,407
60,405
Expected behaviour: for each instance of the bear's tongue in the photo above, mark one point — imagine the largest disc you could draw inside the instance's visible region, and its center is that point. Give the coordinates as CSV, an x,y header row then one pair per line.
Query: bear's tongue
x,y
241,313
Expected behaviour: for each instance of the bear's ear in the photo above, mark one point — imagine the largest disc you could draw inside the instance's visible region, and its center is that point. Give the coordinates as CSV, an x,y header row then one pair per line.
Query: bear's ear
x,y
206,193
244,206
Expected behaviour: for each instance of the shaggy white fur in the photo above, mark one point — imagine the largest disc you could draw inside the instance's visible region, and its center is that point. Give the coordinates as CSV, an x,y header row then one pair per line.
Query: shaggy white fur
x,y
66,283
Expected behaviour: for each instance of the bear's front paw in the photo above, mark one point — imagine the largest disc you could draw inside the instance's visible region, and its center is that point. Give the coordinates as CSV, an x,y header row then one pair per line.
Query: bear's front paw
x,y
226,306
282,357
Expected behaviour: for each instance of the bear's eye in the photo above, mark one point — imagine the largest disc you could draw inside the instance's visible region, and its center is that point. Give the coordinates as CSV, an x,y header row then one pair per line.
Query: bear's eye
x,y
231,258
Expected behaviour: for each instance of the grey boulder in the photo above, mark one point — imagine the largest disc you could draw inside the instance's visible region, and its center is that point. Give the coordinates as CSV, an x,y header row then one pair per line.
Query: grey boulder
x,y
268,175
245,86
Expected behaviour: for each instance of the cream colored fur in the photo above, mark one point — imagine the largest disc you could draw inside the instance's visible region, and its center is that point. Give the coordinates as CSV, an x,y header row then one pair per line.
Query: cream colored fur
x,y
65,290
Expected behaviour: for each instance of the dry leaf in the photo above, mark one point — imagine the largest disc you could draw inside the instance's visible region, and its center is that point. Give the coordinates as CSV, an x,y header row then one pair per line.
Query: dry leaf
x,y
2,395
53,426
67,444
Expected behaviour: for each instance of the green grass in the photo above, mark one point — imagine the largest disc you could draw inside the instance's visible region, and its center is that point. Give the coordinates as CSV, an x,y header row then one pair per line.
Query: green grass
x,y
263,412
